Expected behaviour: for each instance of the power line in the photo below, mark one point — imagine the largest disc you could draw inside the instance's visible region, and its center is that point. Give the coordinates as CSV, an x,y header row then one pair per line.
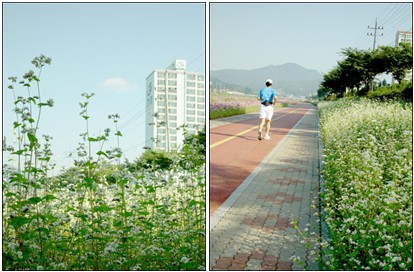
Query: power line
x,y
196,58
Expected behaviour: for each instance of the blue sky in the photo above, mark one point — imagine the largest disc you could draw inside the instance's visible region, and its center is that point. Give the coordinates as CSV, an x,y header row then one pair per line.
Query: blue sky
x,y
248,36
105,48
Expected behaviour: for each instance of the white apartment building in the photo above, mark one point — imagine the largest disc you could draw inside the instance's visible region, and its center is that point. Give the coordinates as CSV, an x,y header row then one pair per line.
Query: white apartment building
x,y
404,37
174,97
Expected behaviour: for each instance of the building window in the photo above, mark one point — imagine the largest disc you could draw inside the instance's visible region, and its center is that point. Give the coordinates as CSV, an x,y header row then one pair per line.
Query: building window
x,y
200,120
190,119
172,124
161,89
172,104
161,75
172,75
191,98
200,92
200,85
190,106
172,110
161,103
172,90
191,77
200,78
200,113
172,97
161,82
172,82
190,84
200,99
190,91
200,106
191,112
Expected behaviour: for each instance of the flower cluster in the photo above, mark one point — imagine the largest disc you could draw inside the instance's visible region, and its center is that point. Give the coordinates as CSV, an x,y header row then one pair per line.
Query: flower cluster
x,y
141,221
367,176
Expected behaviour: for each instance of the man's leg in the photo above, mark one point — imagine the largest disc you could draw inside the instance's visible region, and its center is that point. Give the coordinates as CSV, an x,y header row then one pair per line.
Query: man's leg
x,y
267,126
266,137
262,122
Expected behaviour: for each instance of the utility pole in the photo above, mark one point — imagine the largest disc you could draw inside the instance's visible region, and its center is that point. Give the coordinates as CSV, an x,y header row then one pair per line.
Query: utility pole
x,y
375,33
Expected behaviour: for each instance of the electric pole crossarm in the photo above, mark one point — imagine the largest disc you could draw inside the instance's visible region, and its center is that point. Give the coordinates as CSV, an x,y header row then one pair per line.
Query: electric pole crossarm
x,y
375,32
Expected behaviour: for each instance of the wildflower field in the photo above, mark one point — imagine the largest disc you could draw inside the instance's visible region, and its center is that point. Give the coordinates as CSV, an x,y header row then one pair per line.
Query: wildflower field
x,y
367,173
223,104
98,215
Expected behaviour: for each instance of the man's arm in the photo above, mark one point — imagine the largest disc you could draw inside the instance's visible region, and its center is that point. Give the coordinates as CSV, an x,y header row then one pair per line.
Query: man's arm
x,y
274,99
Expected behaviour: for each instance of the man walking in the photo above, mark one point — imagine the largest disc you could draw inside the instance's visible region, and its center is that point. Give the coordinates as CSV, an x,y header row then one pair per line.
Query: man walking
x,y
267,97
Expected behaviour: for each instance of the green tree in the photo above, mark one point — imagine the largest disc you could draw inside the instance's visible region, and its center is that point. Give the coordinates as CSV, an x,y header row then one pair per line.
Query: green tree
x,y
333,82
396,60
155,160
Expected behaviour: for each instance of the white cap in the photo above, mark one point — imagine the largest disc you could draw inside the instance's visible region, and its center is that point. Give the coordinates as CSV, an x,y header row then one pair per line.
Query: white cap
x,y
269,81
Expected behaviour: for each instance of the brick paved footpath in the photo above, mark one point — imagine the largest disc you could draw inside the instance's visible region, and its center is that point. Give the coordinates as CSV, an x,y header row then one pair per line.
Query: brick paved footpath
x,y
253,229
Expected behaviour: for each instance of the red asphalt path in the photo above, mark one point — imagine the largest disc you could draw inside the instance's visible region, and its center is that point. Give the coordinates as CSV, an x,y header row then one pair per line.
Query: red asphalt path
x,y
232,161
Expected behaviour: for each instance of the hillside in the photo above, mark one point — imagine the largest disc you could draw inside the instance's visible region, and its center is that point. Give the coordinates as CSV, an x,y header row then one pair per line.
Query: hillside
x,y
289,79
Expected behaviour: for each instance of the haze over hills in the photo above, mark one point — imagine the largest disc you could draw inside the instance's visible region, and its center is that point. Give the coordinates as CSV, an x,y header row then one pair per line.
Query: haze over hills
x,y
289,79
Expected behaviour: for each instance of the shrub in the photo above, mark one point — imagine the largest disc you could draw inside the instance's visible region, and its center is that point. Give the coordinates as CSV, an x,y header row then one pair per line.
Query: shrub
x,y
402,91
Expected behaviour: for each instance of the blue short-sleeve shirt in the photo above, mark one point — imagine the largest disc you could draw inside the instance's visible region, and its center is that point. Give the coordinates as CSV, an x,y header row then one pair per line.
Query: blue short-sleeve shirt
x,y
266,94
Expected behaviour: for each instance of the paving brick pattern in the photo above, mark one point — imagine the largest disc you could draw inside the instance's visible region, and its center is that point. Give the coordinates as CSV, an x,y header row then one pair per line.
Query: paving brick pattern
x,y
256,232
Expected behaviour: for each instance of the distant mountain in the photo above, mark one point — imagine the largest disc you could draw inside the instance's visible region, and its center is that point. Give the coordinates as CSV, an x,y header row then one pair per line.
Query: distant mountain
x,y
288,79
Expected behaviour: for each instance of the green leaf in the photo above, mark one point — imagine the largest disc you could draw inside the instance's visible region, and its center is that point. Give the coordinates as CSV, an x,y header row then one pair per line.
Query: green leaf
x,y
117,223
34,200
127,214
19,152
45,230
18,221
192,203
118,133
102,208
49,197
32,99
32,139
102,153
88,182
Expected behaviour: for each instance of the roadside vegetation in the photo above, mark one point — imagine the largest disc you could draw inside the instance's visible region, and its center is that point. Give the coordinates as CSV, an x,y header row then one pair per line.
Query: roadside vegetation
x,y
366,129
102,213
367,174
224,104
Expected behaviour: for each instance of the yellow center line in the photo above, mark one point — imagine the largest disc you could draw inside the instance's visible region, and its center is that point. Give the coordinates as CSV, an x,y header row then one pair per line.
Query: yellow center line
x,y
244,132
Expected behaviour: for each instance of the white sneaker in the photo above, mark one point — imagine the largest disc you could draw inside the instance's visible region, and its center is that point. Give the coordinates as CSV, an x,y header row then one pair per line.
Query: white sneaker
x,y
260,135
267,137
